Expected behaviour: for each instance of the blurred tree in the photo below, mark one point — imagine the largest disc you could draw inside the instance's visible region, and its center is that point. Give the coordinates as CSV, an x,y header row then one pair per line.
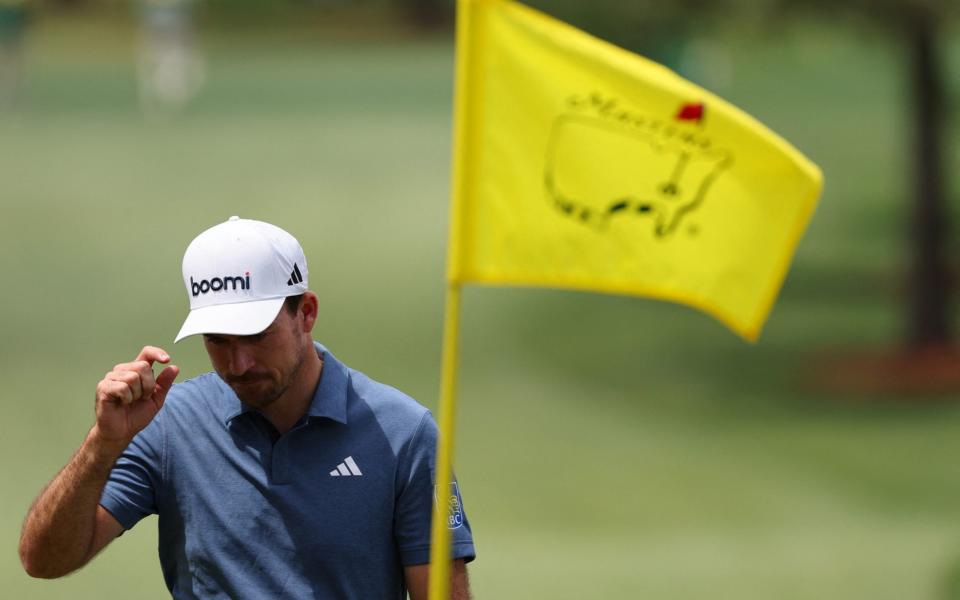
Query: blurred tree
x,y
13,23
658,30
918,26
429,14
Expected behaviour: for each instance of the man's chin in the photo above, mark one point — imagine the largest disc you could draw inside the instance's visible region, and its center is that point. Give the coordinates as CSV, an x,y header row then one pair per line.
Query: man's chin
x,y
257,395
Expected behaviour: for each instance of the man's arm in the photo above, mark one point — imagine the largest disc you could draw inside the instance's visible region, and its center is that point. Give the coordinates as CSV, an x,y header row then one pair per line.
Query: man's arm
x,y
66,526
417,577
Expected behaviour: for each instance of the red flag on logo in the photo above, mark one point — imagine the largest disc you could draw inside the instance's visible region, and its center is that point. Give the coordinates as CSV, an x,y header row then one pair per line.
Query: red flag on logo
x,y
691,112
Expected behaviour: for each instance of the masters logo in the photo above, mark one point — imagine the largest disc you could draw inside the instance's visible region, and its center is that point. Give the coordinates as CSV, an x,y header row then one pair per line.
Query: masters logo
x,y
608,162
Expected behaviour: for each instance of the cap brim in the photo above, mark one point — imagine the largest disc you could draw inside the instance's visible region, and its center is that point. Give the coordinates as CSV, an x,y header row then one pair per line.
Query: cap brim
x,y
240,318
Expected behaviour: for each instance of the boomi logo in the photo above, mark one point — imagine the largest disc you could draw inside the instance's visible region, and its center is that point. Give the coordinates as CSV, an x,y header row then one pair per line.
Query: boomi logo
x,y
219,284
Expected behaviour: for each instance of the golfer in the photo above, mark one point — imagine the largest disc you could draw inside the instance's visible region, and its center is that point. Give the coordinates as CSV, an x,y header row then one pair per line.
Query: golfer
x,y
282,474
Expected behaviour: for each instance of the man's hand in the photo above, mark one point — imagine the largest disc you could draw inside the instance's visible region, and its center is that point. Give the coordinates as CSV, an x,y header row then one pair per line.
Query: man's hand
x,y
66,526
129,396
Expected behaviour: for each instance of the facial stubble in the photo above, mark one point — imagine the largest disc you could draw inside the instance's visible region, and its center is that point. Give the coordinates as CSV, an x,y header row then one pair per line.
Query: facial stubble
x,y
280,389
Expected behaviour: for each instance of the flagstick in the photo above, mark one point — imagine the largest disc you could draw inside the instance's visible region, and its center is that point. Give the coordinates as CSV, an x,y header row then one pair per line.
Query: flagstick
x,y
440,555
440,531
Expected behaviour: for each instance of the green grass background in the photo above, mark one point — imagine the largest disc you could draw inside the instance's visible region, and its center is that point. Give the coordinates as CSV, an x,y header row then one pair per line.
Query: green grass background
x,y
608,447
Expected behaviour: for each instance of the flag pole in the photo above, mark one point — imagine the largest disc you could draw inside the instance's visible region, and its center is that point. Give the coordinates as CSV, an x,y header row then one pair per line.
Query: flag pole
x,y
440,555
440,530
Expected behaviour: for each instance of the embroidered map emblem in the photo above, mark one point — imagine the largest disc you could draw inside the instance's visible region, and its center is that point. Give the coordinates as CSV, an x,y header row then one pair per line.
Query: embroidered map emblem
x,y
607,162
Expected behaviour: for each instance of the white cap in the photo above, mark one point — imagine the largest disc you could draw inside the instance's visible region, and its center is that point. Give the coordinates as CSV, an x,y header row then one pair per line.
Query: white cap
x,y
238,274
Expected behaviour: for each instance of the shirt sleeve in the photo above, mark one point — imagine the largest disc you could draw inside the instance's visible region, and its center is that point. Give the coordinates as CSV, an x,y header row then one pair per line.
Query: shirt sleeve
x,y
414,507
131,490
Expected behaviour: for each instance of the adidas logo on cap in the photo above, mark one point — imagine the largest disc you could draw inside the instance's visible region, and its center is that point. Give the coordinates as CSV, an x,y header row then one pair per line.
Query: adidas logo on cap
x,y
295,276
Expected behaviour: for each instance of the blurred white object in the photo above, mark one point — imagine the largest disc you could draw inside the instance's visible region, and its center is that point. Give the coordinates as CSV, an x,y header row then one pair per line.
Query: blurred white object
x,y
171,69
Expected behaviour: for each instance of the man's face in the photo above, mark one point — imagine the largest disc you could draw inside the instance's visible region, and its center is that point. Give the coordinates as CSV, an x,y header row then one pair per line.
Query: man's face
x,y
260,368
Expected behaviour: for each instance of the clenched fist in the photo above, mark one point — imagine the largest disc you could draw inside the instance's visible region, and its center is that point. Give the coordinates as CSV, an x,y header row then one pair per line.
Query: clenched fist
x,y
129,396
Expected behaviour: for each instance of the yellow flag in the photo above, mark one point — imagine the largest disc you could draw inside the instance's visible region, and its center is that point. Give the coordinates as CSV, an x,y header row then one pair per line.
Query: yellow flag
x,y
580,165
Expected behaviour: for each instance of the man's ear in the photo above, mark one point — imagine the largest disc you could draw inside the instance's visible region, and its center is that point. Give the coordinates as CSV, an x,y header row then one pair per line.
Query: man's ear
x,y
309,308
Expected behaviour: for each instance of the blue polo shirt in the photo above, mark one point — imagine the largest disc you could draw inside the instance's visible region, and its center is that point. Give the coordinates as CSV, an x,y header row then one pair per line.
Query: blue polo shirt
x,y
334,508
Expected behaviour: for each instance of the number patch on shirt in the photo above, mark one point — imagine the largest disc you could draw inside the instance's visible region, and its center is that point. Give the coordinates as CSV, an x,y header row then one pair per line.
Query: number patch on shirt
x,y
454,506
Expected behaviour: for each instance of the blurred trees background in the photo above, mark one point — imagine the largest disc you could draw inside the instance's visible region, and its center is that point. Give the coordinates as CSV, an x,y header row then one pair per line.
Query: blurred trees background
x,y
916,27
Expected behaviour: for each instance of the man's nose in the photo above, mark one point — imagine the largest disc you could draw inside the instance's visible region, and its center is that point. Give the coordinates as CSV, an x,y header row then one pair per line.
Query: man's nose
x,y
241,360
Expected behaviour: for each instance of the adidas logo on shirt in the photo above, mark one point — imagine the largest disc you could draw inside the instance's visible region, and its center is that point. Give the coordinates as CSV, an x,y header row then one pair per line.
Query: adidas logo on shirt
x,y
295,276
347,468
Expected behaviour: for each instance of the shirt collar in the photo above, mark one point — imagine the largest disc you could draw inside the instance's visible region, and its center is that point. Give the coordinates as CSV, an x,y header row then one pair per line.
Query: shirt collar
x,y
329,399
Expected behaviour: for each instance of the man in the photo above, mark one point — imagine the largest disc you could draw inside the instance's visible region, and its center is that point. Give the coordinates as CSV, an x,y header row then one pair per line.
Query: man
x,y
284,474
